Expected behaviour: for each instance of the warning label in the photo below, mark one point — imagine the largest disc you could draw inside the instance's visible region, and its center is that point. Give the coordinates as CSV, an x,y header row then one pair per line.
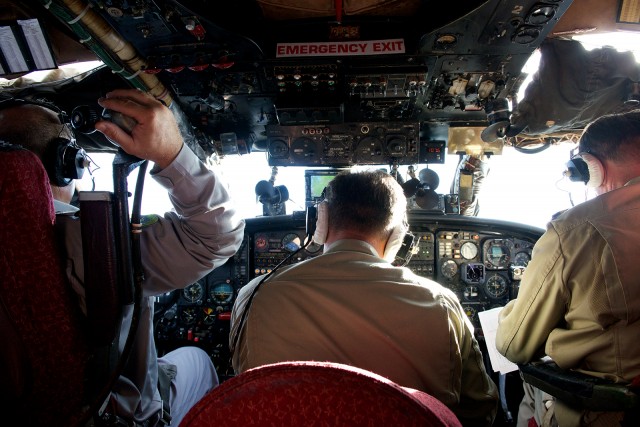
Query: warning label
x,y
365,47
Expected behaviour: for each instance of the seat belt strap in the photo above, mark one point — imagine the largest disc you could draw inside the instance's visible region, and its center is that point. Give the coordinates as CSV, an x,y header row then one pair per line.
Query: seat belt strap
x,y
166,373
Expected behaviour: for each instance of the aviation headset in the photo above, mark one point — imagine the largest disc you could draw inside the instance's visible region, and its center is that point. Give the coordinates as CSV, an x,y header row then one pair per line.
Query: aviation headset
x,y
585,167
397,238
63,158
393,245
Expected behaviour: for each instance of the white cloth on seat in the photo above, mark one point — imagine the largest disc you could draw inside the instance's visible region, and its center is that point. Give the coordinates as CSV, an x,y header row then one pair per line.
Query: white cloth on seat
x,y
196,376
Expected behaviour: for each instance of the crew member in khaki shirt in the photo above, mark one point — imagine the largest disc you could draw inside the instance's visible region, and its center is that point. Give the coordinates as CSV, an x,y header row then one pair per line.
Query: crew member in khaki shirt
x,y
352,306
579,299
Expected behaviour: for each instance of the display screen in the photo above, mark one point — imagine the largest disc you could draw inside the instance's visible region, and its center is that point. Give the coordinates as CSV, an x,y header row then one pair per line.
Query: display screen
x,y
315,182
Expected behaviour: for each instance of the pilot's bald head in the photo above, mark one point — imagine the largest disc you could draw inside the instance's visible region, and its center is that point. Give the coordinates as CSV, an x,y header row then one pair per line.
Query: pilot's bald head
x,y
31,126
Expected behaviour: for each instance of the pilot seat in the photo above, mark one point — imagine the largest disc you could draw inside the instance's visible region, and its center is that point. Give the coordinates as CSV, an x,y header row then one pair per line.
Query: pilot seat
x,y
57,366
305,393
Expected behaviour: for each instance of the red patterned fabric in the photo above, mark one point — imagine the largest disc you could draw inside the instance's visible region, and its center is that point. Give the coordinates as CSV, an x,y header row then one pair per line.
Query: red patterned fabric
x,y
294,394
42,346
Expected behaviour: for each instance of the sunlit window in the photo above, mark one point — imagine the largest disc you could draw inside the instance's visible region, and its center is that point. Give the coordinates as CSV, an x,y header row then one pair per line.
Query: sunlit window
x,y
523,188
520,187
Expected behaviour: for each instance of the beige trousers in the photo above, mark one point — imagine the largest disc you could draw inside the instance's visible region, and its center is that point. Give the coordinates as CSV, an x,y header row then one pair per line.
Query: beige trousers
x,y
549,412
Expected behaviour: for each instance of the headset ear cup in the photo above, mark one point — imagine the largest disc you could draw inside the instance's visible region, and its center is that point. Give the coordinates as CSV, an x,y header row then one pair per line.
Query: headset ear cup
x,y
64,160
322,224
74,161
585,167
394,242
53,160
596,170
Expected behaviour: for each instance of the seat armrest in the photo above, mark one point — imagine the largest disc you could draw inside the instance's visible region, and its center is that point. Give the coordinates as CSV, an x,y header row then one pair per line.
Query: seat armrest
x,y
580,390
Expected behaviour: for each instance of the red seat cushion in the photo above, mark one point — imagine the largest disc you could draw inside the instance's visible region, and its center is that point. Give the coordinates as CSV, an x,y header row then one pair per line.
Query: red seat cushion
x,y
42,341
294,394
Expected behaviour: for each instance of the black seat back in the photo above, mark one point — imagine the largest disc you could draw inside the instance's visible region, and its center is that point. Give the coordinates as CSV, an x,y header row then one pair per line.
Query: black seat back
x,y
582,391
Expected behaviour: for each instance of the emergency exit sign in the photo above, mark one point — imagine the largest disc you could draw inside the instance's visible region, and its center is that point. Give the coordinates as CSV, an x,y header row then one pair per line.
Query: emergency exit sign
x,y
343,48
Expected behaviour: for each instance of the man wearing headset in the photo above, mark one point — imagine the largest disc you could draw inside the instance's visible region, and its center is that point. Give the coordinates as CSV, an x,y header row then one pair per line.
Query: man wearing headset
x,y
178,249
579,299
351,305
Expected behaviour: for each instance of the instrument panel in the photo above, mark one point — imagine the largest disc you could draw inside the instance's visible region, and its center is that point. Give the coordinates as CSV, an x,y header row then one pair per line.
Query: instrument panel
x,y
480,260
483,269
303,87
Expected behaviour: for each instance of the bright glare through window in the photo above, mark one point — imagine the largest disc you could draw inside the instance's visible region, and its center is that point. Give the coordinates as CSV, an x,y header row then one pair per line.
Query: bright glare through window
x,y
523,188
520,187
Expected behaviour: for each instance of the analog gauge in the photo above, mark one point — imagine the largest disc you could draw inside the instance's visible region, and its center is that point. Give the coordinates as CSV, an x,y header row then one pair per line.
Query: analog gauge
x,y
541,15
468,250
369,151
171,312
470,312
497,254
449,269
521,259
193,292
305,150
188,315
496,286
470,292
313,247
473,273
209,316
278,149
397,146
291,242
221,293
261,243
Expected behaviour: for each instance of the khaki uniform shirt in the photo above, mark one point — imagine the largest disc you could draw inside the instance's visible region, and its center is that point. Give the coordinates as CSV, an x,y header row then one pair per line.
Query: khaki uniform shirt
x,y
579,299
350,306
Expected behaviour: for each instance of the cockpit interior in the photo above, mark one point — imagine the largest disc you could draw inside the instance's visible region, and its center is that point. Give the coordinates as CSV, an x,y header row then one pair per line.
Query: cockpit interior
x,y
328,85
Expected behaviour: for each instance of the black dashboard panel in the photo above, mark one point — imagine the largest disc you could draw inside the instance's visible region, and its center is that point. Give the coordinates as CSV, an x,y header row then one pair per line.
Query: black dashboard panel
x,y
481,260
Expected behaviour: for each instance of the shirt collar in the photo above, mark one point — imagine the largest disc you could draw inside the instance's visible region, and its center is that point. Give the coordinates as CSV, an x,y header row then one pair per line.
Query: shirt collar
x,y
635,180
353,245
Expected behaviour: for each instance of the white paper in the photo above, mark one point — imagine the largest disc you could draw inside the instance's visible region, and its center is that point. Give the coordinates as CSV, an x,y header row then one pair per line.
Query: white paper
x,y
37,44
11,51
489,324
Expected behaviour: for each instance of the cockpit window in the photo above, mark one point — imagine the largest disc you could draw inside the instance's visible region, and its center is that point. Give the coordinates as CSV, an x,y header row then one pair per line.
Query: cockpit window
x,y
520,187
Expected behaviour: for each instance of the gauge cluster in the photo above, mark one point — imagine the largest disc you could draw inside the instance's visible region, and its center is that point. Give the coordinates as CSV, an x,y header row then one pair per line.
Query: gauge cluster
x,y
272,247
479,266
480,260
200,314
